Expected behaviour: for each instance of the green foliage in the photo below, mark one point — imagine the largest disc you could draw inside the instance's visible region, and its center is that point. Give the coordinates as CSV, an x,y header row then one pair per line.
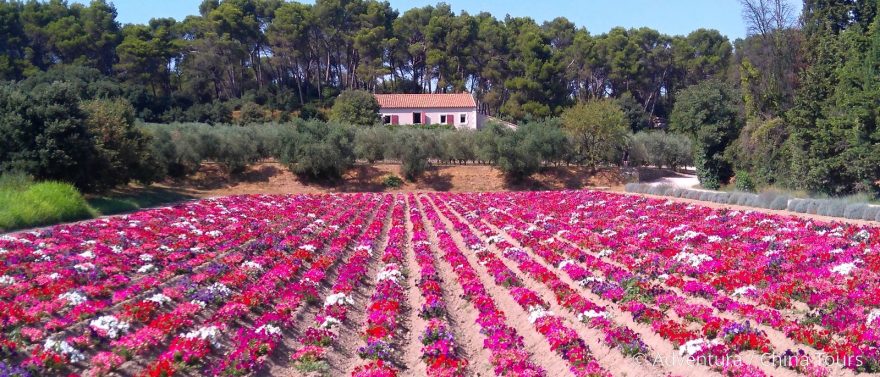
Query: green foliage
x,y
252,113
392,181
355,107
26,204
664,149
414,148
744,181
637,118
45,134
370,143
598,130
318,150
709,113
122,150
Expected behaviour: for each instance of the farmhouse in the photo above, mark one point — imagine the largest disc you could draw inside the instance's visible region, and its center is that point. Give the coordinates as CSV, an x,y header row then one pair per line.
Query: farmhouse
x,y
459,110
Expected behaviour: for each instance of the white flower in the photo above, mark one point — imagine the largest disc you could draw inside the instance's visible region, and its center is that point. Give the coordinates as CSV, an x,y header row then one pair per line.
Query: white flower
x,y
605,252
590,314
390,272
338,299
837,251
111,325
73,298
329,322
159,299
691,258
146,268
83,267
215,233
663,277
538,312
146,258
54,276
714,239
565,263
87,255
688,235
199,303
873,316
844,269
586,281
694,346
862,235
64,348
309,248
7,280
116,249
769,238
494,239
219,289
209,333
251,265
3,251
268,329
742,291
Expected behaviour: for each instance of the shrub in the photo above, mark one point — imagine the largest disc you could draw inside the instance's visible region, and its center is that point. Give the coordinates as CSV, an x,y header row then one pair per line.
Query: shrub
x,y
392,181
744,181
319,150
780,202
871,212
460,146
39,204
355,107
371,143
122,149
663,149
855,210
413,148
252,113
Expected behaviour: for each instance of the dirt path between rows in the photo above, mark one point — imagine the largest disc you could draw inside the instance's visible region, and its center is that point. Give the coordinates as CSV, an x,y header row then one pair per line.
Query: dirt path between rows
x,y
462,315
518,318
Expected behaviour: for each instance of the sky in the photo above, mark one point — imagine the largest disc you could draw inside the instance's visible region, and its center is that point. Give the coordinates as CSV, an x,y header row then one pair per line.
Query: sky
x,y
674,17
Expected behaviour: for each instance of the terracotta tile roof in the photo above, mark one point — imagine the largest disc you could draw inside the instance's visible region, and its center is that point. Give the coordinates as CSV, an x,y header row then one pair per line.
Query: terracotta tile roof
x,y
401,101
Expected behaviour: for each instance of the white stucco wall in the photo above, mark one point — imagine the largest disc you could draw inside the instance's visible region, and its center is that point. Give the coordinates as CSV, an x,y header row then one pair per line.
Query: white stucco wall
x,y
405,116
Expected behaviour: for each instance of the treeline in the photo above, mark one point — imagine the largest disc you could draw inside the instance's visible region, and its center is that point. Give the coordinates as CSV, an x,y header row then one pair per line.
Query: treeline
x,y
287,56
322,150
794,104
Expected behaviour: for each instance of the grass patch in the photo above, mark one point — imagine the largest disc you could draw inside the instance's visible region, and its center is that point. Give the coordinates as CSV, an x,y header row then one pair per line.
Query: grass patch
x,y
27,205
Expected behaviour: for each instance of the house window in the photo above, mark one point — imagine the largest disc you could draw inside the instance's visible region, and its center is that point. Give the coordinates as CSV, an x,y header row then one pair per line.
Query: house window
x,y
463,119
386,119
417,118
443,119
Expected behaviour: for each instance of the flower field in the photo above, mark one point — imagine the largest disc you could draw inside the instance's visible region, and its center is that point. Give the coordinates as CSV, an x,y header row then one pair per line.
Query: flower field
x,y
576,283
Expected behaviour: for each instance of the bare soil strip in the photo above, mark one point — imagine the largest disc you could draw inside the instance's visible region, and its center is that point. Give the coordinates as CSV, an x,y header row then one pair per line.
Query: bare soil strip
x,y
518,318
414,325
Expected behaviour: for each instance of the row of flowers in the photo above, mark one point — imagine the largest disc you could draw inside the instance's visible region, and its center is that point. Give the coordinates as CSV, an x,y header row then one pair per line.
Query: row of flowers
x,y
382,322
333,312
195,343
96,329
616,336
618,243
561,338
689,342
